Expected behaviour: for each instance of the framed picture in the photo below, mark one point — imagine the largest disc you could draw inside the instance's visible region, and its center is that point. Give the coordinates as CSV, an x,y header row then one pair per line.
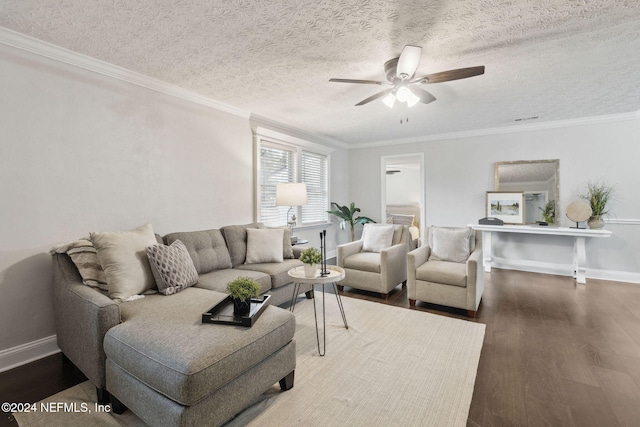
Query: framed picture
x,y
506,205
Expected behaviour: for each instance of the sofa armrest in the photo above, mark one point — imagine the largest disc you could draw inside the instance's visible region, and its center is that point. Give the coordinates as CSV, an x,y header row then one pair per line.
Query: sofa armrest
x,y
393,264
475,278
83,316
347,249
417,257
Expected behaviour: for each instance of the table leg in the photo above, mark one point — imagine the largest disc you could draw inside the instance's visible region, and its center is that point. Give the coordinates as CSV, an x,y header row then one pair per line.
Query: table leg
x,y
487,247
324,324
294,297
344,318
580,260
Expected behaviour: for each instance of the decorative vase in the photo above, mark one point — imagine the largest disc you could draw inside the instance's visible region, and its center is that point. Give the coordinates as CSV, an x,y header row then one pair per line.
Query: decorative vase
x,y
241,308
595,222
310,270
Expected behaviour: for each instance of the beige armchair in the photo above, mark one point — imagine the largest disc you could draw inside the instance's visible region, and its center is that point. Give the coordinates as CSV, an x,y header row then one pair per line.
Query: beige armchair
x,y
448,269
376,262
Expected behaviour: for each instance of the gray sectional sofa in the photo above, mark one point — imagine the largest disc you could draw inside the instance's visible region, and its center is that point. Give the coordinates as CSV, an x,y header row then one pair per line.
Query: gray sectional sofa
x,y
154,355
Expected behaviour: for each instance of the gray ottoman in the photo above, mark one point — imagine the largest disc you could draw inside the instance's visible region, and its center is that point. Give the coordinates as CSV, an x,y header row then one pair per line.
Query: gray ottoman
x,y
172,370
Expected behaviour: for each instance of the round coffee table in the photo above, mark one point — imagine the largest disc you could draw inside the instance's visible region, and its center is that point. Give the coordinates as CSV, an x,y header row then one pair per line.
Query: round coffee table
x,y
334,275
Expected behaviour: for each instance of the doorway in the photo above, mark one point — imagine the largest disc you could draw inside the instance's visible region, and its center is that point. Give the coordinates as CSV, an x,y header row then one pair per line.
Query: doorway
x,y
402,179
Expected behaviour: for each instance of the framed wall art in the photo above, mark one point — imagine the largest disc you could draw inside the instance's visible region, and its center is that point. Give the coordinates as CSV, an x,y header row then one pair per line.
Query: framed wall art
x,y
506,205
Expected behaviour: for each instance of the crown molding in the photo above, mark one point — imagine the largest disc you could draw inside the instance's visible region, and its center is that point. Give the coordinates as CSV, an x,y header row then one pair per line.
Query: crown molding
x,y
286,129
29,44
503,130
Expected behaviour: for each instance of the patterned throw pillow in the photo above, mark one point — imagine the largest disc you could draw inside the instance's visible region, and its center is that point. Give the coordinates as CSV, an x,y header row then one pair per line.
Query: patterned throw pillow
x,y
84,256
172,267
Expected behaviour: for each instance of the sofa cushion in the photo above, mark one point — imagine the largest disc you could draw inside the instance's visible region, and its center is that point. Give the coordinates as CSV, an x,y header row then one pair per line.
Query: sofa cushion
x,y
124,260
264,245
185,359
377,237
217,280
277,270
172,267
206,248
363,261
236,239
450,243
444,272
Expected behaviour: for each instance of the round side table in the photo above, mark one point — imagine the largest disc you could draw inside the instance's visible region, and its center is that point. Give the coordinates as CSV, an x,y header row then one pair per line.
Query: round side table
x,y
334,275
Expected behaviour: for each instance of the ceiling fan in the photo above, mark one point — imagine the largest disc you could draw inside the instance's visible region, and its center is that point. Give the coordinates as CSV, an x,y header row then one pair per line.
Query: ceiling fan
x,y
400,74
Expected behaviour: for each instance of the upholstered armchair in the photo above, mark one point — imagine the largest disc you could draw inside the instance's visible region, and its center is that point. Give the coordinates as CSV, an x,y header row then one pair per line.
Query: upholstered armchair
x,y
378,261
448,269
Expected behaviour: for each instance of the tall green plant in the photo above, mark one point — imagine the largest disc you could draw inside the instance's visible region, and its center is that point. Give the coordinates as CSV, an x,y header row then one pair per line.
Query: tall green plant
x,y
598,195
346,215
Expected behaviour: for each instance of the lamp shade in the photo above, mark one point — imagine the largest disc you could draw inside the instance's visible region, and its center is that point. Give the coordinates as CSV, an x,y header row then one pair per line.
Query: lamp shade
x,y
291,194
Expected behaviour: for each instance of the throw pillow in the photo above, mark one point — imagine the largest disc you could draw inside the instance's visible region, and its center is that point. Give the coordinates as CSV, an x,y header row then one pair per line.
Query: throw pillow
x,y
172,267
401,219
377,237
450,244
264,245
124,260
84,256
287,248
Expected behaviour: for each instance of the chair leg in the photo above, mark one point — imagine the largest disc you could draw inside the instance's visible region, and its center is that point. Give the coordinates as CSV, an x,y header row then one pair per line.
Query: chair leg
x,y
309,294
287,382
340,288
471,313
412,303
103,396
116,406
404,284
384,296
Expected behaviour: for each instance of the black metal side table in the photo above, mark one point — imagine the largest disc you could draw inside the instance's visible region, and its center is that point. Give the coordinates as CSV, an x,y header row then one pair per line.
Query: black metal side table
x,y
335,275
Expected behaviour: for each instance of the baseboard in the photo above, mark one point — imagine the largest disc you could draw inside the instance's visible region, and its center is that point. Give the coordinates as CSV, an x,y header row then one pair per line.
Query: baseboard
x,y
565,270
26,353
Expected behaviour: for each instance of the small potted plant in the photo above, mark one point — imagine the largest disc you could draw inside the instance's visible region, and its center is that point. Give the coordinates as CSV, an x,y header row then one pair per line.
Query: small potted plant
x,y
242,290
598,195
549,212
311,258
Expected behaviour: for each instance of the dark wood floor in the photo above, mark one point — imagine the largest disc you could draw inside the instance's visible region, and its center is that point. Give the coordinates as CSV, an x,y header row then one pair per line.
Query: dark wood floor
x,y
555,353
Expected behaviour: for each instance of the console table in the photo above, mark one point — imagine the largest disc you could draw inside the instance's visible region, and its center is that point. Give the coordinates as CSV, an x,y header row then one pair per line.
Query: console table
x,y
579,236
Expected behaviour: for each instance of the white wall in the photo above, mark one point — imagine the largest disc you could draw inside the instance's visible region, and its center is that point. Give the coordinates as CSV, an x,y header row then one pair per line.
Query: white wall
x,y
460,171
403,187
82,152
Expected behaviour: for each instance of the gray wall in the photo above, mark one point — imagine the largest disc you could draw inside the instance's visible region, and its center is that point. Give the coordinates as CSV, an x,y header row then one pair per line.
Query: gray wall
x,y
83,152
460,171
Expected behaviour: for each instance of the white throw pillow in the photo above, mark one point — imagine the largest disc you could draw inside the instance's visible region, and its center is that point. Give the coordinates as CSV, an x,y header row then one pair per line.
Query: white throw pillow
x,y
124,260
377,237
450,243
264,245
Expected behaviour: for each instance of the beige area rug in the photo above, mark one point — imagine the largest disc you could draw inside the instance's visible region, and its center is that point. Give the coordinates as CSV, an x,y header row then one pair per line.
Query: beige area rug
x,y
392,367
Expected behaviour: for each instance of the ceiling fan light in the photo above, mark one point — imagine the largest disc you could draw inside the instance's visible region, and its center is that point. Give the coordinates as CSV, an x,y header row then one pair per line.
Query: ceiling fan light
x,y
412,99
389,100
403,94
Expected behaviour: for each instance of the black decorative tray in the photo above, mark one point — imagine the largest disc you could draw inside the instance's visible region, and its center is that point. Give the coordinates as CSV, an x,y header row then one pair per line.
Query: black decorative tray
x,y
222,313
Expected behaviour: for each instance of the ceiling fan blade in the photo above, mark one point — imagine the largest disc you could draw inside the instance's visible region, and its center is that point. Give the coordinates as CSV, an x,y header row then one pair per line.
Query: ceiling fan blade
x,y
409,60
365,82
445,76
425,97
374,97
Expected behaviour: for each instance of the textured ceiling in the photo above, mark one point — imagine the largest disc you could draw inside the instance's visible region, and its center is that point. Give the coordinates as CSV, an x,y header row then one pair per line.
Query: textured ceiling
x,y
551,59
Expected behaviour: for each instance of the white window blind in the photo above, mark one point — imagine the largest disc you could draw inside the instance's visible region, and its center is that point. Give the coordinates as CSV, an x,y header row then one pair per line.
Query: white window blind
x,y
277,165
314,173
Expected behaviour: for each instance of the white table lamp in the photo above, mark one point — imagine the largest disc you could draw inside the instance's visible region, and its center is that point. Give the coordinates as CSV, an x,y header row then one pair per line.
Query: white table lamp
x,y
291,194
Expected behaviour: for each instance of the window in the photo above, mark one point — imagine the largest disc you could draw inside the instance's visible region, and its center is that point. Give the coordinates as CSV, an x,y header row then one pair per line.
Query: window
x,y
285,162
314,174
